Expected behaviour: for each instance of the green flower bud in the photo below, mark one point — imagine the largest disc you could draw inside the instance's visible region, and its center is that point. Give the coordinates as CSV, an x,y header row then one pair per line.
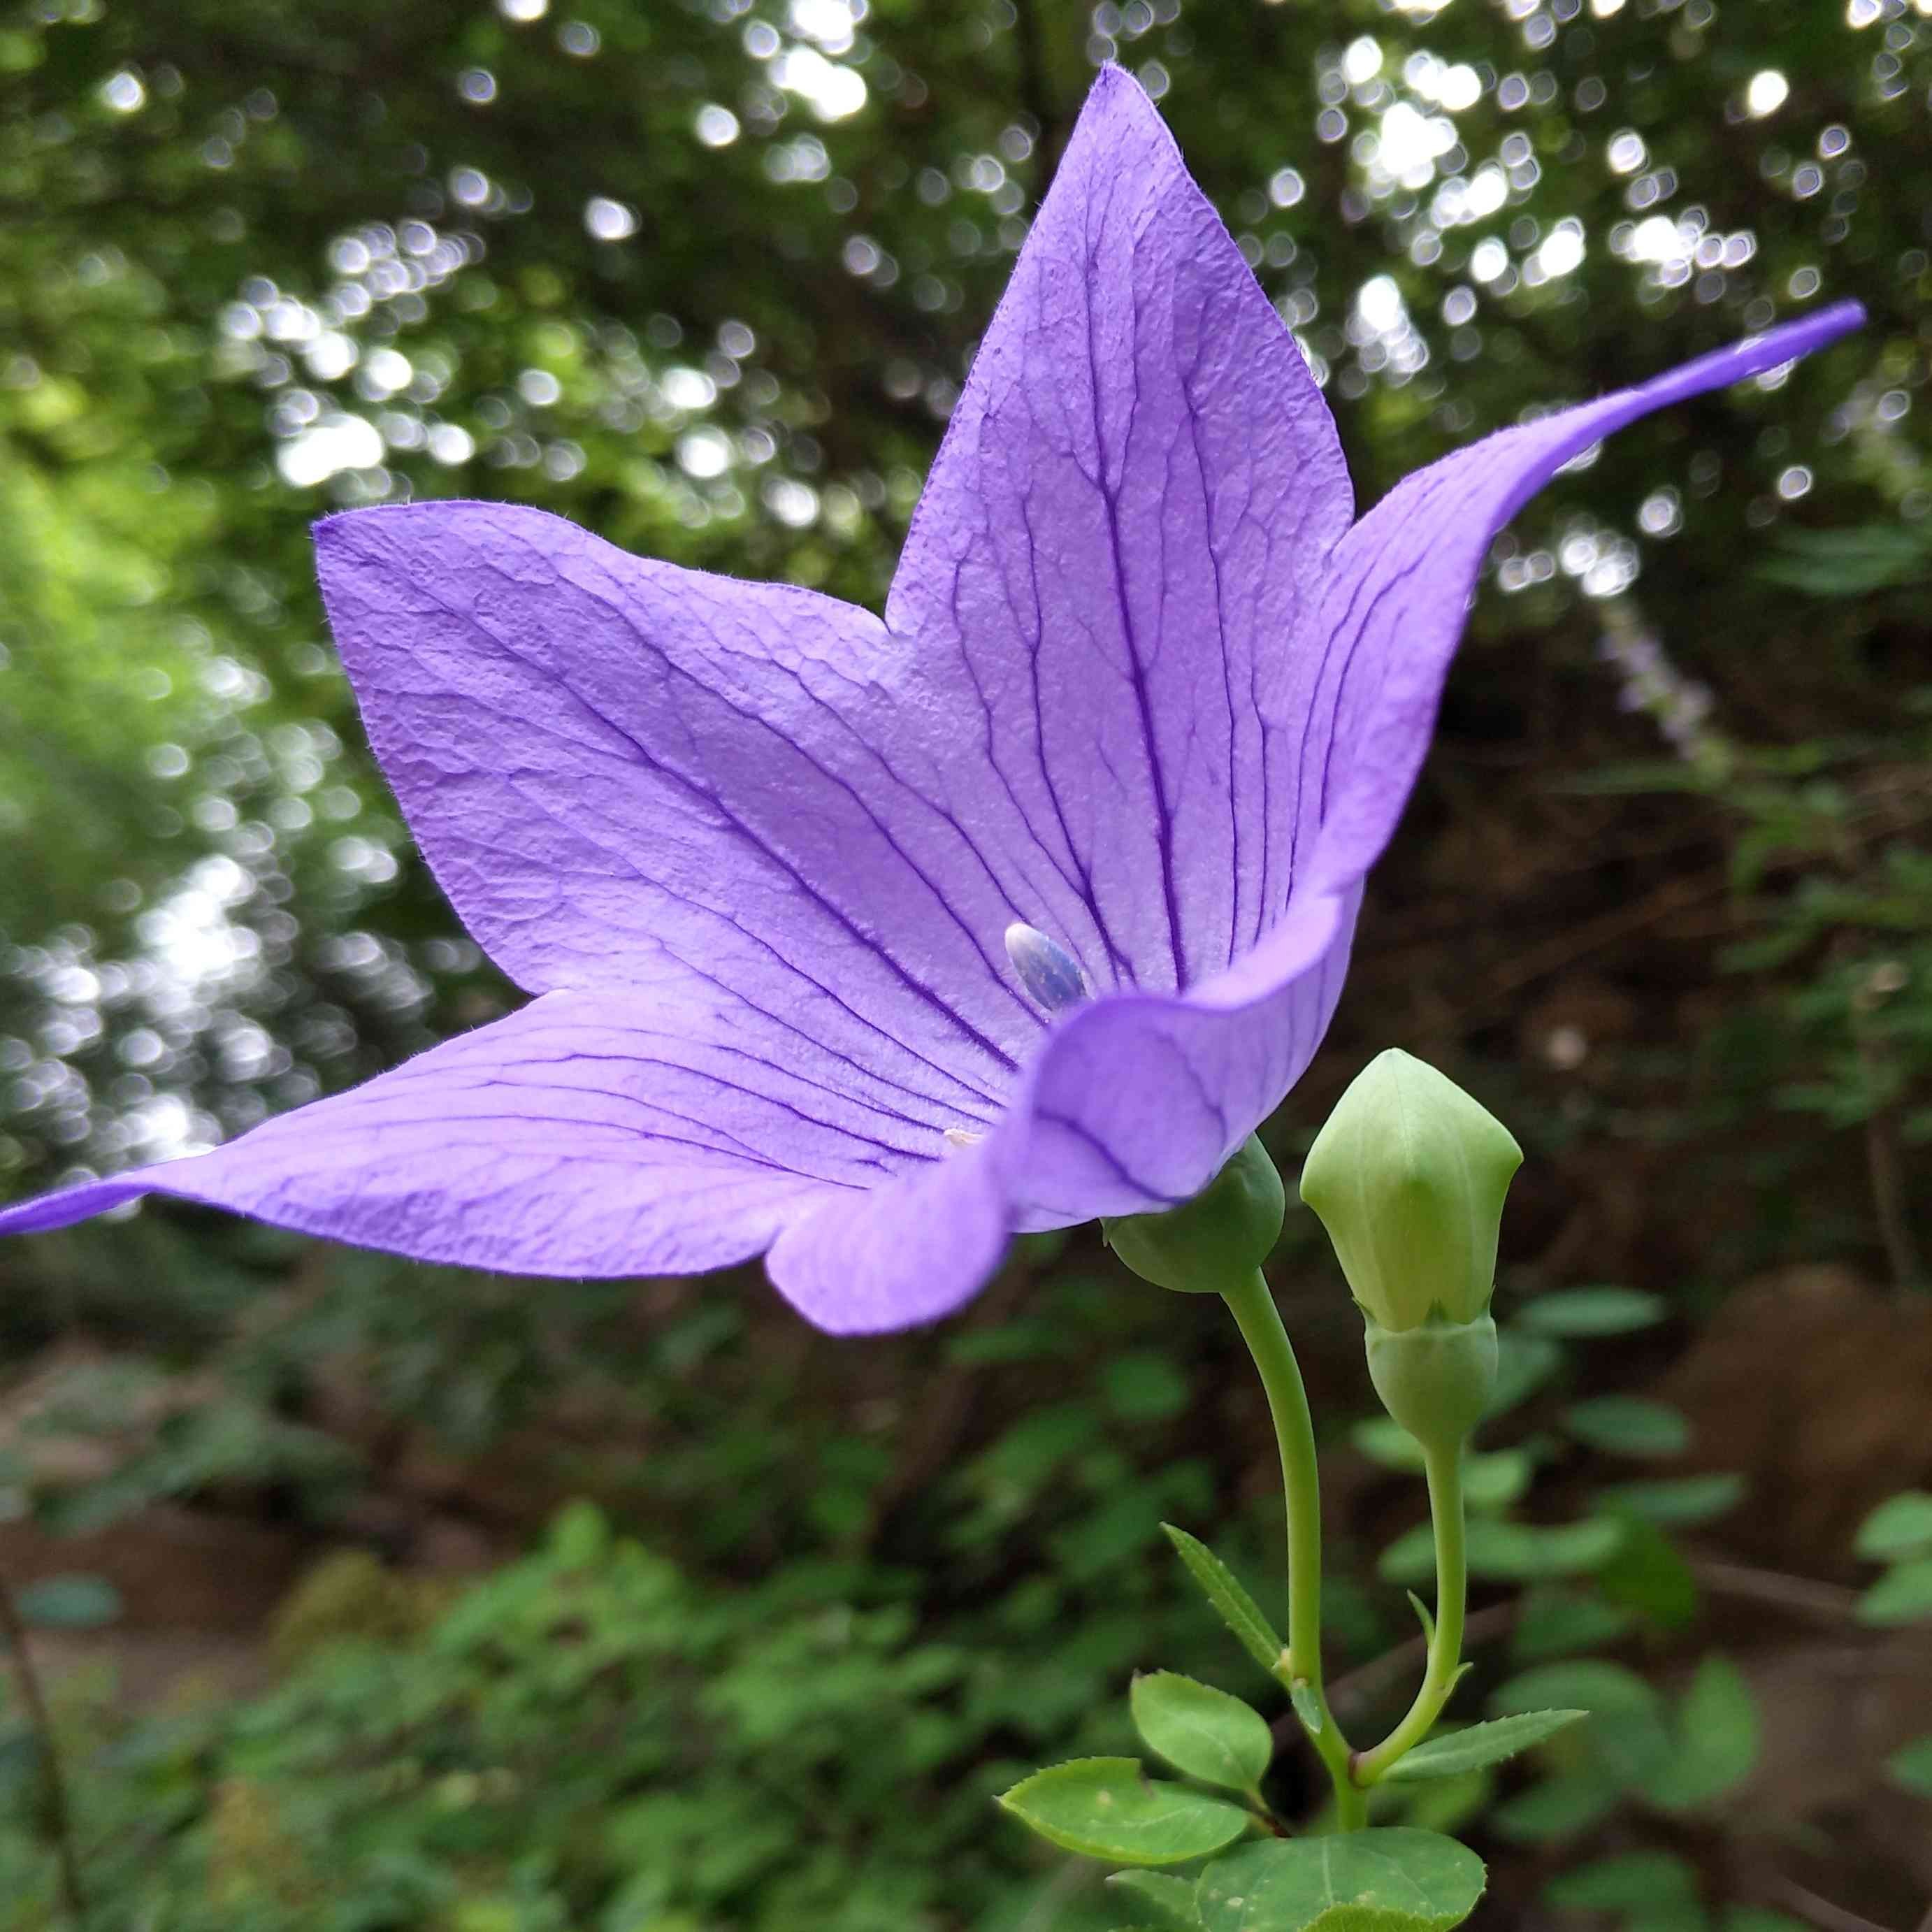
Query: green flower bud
x,y
1221,1236
1408,1176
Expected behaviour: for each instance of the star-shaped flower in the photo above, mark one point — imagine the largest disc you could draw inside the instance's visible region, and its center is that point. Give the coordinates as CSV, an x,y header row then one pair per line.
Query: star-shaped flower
x,y
1145,693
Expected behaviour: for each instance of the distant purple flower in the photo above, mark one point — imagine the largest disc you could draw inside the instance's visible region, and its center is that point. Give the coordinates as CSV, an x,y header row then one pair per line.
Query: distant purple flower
x,y
1143,691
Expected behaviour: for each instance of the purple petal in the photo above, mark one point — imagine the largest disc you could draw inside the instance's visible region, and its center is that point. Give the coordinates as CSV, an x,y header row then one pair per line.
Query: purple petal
x,y
1135,1101
1124,528
622,773
1133,1104
1393,609
590,1134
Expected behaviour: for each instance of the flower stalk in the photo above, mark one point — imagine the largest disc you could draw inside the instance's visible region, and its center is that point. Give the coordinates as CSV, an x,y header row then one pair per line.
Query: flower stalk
x,y
1442,1463
1252,1305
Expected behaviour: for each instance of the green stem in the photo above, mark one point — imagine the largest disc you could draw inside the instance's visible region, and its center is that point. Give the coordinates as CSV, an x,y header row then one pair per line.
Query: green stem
x,y
1253,1306
1444,1468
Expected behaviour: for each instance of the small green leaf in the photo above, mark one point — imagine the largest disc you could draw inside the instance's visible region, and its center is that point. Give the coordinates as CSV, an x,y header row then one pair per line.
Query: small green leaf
x,y
1222,1589
1759,1918
1718,1729
1558,1807
1171,1899
1482,1744
68,1602
1512,1552
1628,1425
1629,1741
1629,1882
1422,1612
1106,1808
1393,1879
1901,1526
1524,1363
1557,1622
1201,1731
1581,1312
1307,1706
1675,1501
1649,1575
1912,1766
1496,1480
1902,1595
1384,1440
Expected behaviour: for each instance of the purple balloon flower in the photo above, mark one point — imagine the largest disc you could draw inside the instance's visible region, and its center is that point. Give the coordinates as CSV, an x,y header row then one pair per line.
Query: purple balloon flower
x,y
862,944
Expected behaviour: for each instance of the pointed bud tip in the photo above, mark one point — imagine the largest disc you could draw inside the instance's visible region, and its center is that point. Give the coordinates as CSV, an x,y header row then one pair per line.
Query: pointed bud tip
x,y
1408,1176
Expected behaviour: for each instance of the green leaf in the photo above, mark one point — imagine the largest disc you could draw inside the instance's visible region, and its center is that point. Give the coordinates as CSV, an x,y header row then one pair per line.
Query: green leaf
x,y
1579,1313
72,1602
1717,1728
1628,1425
1392,1878
1222,1589
1675,1501
1515,1552
1384,1440
1307,1707
1201,1731
1649,1574
1912,1766
1629,1882
1903,1595
1470,1749
1524,1363
1557,1622
1759,1918
1171,1899
1144,1388
1489,1482
1901,1526
1558,1807
1106,1808
1629,1741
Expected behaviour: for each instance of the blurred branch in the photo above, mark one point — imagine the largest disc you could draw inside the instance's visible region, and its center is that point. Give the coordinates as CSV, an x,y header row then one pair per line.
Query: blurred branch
x,y
59,1819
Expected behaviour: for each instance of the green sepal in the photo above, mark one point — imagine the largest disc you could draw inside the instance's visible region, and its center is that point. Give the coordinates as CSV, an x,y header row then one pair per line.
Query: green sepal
x,y
1171,1899
1391,1878
1221,1236
1203,1732
1481,1745
1222,1589
1436,1378
1107,1808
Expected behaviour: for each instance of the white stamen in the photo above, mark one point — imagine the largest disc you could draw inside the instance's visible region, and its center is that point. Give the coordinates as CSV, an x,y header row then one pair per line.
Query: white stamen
x,y
1046,969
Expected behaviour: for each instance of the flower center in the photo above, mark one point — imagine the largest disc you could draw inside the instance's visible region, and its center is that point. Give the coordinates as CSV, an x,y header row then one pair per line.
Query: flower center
x,y
1049,972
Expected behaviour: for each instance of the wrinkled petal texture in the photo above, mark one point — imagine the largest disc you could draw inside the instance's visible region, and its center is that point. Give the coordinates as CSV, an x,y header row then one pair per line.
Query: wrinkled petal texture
x,y
1122,536
623,772
1393,606
1139,685
594,1134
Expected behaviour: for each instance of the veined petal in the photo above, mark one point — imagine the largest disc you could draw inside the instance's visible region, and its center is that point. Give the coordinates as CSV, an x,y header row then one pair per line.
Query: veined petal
x,y
1135,1103
1132,1104
1125,527
1393,607
588,1134
622,772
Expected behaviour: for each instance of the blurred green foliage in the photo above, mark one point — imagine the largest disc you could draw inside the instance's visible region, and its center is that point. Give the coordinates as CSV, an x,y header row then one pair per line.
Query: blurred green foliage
x,y
1662,903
